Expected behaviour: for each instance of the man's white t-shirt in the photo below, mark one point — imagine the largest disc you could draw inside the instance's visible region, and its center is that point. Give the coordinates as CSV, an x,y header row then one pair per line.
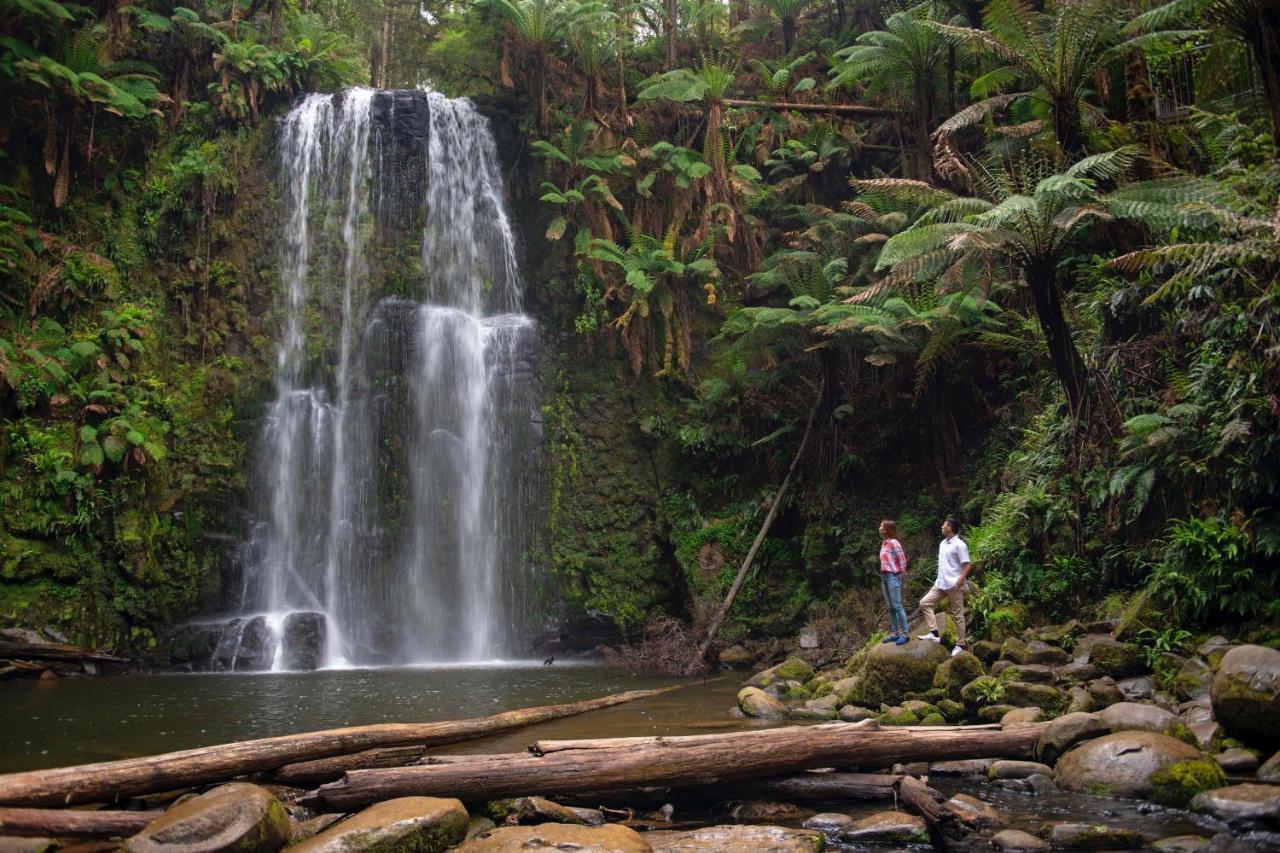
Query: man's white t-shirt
x,y
952,554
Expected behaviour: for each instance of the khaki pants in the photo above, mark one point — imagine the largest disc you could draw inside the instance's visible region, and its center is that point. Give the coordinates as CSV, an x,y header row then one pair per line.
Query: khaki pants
x,y
955,603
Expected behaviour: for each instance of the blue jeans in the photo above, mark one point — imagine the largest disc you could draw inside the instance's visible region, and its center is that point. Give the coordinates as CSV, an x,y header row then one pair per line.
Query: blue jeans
x,y
893,597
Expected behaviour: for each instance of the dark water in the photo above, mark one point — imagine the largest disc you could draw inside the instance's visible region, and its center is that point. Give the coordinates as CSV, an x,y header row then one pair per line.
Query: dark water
x,y
77,720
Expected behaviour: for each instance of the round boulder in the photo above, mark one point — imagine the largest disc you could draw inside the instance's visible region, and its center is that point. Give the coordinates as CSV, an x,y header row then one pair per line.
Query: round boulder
x,y
891,671
887,828
1116,659
421,824
1133,716
754,702
558,836
1246,693
1237,803
234,817
1138,765
712,839
957,671
1068,730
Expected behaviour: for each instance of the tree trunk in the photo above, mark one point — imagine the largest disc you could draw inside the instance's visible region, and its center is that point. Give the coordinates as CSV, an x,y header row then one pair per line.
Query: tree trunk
x,y
834,109
788,34
1067,128
1063,355
669,25
277,10
1264,39
66,823
676,761
759,540
90,783
386,45
623,38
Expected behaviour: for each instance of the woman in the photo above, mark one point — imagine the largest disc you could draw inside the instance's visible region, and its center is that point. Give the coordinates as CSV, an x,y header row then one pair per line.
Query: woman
x,y
893,567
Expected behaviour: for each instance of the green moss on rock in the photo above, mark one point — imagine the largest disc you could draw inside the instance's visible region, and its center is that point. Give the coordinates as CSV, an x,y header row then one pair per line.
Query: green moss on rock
x,y
1177,783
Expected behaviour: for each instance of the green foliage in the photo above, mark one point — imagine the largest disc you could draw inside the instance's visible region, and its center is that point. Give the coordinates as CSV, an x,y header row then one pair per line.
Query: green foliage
x,y
1212,569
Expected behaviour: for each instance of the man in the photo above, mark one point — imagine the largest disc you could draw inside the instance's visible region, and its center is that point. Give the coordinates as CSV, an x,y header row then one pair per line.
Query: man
x,y
953,571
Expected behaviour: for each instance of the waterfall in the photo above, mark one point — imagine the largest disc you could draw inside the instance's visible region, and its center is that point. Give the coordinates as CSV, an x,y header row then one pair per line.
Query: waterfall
x,y
395,460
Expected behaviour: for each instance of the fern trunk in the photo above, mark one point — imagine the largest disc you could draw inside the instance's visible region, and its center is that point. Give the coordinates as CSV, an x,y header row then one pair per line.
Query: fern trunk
x,y
1063,355
788,33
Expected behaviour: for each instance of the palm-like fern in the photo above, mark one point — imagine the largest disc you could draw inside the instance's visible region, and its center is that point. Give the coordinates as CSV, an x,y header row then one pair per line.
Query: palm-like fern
x,y
1029,221
1053,55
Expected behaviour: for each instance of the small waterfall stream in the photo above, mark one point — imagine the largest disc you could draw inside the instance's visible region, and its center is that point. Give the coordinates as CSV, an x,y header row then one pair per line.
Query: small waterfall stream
x,y
397,457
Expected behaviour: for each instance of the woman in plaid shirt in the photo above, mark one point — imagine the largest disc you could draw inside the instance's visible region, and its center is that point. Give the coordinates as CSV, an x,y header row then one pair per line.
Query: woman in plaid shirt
x,y
893,567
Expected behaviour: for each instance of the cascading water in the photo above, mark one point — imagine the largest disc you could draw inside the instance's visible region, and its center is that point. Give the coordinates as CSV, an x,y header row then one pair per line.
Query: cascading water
x,y
396,457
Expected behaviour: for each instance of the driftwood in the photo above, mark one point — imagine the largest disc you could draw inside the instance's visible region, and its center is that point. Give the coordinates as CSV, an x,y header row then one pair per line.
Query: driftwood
x,y
923,800
676,761
65,823
106,781
55,651
306,773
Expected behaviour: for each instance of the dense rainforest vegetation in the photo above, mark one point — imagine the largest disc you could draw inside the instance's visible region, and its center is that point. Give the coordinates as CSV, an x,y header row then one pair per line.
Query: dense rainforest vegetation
x,y
1012,260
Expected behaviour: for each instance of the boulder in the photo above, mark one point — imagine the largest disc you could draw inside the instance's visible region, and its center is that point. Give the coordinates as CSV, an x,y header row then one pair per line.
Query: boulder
x,y
1270,769
1104,693
1078,700
975,693
1246,693
1132,716
425,824
831,702
754,702
1010,769
1093,836
1213,649
830,824
1207,734
1056,635
768,839
542,810
973,813
1138,764
769,811
479,826
897,716
1116,659
791,669
1035,672
1021,717
887,828
845,688
1136,689
919,707
891,671
1077,670
1237,803
807,713
1194,678
1068,730
736,657
994,713
855,713
233,817
302,639
957,671
962,767
611,838
301,830
1024,694
1034,652
985,651
1017,841
1237,761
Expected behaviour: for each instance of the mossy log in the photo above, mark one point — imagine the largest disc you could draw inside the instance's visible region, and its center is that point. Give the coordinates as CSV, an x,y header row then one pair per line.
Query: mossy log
x,y
676,761
67,823
109,780
56,652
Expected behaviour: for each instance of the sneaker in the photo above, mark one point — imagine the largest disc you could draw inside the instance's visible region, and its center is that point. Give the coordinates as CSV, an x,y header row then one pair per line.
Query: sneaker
x,y
902,641
892,638
958,649
932,635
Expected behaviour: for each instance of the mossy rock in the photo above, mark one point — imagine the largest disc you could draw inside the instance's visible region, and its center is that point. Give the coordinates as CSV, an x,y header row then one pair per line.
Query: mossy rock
x,y
821,688
934,719
1008,620
933,694
1117,659
797,693
957,671
994,713
1130,764
986,651
951,709
1142,612
792,669
1024,694
1246,694
898,716
983,689
892,671
920,708
1176,784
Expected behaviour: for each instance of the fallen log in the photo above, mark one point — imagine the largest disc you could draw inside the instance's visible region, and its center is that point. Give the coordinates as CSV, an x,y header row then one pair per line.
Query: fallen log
x,y
109,780
923,800
676,761
813,786
304,774
833,109
55,651
65,823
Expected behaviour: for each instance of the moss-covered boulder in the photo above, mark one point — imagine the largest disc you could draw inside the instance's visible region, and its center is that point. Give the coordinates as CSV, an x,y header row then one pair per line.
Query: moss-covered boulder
x,y
957,671
1007,620
887,828
986,651
1241,803
1140,717
1056,635
892,671
754,702
1025,694
1139,765
233,817
1093,836
897,716
994,713
1246,693
983,690
1116,659
1021,652
791,669
418,824
1194,678
1104,692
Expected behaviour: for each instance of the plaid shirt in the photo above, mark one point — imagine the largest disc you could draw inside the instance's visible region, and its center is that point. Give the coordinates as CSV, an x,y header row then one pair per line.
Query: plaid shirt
x,y
893,560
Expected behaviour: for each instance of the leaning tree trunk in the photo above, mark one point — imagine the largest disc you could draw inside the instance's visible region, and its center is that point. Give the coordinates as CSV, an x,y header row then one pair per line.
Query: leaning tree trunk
x,y
714,627
1063,355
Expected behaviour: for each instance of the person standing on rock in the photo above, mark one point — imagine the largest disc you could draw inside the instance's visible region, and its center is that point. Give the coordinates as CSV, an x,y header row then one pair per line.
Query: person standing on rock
x,y
953,571
893,569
